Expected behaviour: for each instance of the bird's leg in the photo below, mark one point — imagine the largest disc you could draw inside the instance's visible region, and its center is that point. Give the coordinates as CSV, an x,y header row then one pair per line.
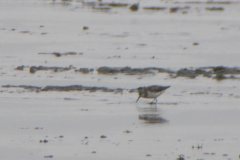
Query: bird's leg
x,y
137,99
152,101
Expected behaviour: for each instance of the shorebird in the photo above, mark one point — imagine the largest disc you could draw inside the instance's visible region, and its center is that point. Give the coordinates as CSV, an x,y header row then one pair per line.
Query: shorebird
x,y
151,92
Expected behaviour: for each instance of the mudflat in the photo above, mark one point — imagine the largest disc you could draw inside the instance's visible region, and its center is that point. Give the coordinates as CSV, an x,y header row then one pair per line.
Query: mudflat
x,y
69,71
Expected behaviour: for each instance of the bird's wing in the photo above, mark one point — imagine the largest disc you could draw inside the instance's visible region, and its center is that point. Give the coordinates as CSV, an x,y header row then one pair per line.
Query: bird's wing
x,y
157,88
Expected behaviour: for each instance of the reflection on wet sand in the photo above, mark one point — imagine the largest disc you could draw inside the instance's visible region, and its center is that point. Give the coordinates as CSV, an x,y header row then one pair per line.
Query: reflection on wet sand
x,y
152,118
150,114
148,109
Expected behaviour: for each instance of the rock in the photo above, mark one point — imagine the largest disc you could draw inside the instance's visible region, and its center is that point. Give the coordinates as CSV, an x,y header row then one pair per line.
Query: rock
x,y
174,9
125,69
199,71
214,9
85,28
219,69
93,89
197,93
103,136
77,88
42,68
132,71
56,70
70,53
32,88
181,157
24,32
226,70
91,4
33,69
45,141
154,8
163,70
57,54
108,70
220,77
70,99
134,7
49,156
136,71
71,67
20,68
203,72
84,70
63,88
102,8
186,73
127,131
114,4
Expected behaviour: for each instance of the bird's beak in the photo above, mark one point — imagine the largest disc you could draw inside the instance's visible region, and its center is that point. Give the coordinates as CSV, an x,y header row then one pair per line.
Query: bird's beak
x,y
138,99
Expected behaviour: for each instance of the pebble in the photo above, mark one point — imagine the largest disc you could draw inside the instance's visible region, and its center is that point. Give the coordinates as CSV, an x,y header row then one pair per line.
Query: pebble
x,y
103,136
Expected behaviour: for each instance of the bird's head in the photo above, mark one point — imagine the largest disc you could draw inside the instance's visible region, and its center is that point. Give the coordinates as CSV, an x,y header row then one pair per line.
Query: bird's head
x,y
141,91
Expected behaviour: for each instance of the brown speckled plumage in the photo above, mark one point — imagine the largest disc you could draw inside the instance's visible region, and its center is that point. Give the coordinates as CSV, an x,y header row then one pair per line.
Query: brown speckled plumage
x,y
151,91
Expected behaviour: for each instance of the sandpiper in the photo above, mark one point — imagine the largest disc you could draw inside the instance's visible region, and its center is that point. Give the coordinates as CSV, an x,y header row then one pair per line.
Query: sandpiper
x,y
151,92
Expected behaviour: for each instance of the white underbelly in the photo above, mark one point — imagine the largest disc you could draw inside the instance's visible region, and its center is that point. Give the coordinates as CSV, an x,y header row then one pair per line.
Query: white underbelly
x,y
154,94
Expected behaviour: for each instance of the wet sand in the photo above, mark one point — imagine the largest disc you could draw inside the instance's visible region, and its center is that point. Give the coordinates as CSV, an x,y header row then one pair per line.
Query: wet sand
x,y
196,117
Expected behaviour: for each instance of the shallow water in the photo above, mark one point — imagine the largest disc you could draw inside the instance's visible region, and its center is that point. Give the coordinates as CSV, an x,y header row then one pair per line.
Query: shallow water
x,y
200,111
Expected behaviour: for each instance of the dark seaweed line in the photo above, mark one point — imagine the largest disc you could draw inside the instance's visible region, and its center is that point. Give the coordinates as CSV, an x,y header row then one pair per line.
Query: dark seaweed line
x,y
217,72
68,88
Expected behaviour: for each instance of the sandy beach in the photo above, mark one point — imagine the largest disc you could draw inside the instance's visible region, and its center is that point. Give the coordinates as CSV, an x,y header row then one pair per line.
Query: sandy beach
x,y
69,71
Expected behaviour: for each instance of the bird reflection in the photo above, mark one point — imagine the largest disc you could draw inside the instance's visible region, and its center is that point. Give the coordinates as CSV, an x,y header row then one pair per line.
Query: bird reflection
x,y
150,114
152,118
148,109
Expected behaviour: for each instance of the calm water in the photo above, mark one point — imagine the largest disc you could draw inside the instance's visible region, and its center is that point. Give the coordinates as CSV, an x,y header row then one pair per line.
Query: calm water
x,y
118,38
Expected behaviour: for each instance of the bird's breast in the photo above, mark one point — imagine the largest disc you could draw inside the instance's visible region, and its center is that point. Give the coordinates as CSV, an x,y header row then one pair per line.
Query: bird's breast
x,y
153,94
